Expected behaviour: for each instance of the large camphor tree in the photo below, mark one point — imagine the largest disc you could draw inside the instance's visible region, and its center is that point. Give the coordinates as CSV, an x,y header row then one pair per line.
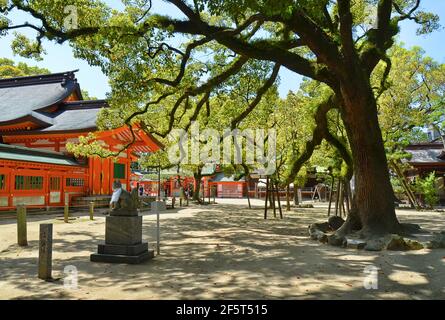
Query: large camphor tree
x,y
337,43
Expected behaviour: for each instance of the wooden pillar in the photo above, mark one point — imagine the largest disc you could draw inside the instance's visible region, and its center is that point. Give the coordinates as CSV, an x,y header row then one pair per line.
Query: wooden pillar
x,y
45,251
11,188
209,192
341,199
214,193
347,197
158,233
273,200
92,210
66,211
337,197
288,198
46,188
330,196
279,201
267,197
22,238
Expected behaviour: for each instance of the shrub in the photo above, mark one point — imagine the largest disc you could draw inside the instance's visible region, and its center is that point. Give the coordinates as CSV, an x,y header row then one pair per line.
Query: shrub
x,y
427,187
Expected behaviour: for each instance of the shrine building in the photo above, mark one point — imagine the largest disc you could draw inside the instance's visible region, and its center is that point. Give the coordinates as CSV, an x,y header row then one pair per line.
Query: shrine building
x,y
39,115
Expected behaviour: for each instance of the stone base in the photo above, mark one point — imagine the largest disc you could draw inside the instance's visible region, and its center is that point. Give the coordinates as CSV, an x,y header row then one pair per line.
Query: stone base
x,y
123,242
113,258
158,206
120,230
125,250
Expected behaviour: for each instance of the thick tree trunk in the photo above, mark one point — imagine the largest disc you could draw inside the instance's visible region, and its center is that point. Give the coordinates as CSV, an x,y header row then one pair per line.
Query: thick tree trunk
x,y
373,199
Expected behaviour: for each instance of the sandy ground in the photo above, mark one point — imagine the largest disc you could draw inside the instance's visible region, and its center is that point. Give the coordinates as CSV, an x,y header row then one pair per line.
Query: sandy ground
x,y
222,251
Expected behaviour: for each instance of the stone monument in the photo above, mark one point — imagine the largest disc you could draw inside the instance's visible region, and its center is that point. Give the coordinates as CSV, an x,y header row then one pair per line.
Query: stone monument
x,y
123,231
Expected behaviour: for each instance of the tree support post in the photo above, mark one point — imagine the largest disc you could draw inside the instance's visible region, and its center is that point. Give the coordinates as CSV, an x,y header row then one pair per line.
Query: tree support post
x,y
279,201
158,233
267,197
288,198
330,196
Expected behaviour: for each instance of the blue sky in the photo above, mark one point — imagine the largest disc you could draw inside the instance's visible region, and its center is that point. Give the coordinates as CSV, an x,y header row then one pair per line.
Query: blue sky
x,y
60,58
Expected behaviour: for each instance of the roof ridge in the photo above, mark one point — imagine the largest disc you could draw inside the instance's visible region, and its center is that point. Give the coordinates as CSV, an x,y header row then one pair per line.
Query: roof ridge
x,y
84,105
42,117
38,79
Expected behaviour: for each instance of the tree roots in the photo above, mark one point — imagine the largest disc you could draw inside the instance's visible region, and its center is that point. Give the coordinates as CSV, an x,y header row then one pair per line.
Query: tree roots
x,y
345,234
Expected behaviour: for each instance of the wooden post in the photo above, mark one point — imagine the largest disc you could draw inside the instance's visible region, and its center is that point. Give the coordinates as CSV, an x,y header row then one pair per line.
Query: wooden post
x,y
45,251
330,196
288,198
337,197
158,233
92,210
248,195
203,193
410,194
347,198
279,201
214,194
267,196
273,200
22,238
66,211
341,200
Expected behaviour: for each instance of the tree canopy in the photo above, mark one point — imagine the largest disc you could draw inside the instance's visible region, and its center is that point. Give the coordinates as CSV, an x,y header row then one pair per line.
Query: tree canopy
x,y
169,67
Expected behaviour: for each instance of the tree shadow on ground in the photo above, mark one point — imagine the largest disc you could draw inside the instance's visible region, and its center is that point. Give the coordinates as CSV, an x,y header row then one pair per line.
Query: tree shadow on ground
x,y
228,252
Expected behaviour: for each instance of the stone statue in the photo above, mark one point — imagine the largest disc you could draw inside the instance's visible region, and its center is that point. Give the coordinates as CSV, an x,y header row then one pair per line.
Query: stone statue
x,y
123,203
123,231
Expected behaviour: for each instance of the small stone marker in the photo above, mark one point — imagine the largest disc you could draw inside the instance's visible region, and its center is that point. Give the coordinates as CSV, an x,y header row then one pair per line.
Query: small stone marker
x,y
45,251
22,239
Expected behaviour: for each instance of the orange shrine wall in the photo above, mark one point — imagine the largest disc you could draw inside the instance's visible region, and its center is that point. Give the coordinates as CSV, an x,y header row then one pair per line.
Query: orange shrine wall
x,y
58,183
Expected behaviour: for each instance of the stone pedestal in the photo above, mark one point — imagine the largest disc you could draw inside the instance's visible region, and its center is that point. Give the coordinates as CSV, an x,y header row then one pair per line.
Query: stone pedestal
x,y
123,241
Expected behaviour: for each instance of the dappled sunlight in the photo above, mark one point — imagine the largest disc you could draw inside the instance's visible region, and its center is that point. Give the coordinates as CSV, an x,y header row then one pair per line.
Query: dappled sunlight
x,y
407,278
219,251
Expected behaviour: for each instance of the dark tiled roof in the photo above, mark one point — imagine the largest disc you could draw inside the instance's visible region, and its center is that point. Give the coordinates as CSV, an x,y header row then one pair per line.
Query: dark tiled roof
x,y
15,153
426,145
426,155
21,97
75,116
